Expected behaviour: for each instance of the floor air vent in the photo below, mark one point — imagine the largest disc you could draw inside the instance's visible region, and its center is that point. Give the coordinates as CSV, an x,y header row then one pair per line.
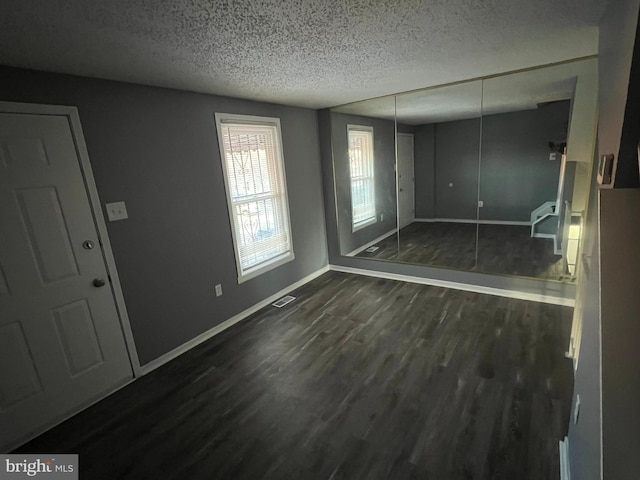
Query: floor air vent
x,y
371,249
283,301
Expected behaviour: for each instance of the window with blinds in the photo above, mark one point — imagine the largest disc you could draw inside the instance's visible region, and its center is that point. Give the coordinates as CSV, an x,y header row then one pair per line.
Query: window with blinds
x,y
251,153
361,171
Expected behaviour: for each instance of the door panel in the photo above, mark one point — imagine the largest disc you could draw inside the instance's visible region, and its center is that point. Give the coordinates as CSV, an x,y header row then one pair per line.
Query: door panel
x,y
48,234
61,343
24,150
78,336
18,377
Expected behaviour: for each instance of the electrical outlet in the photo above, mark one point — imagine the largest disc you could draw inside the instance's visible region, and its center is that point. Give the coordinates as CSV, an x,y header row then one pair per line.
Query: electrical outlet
x,y
218,290
552,156
382,217
480,203
116,211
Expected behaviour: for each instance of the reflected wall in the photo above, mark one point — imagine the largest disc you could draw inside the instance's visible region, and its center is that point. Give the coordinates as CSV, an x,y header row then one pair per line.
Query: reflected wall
x,y
486,176
437,167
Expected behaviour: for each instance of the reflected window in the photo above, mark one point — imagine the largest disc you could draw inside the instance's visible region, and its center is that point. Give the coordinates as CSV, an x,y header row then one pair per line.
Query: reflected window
x,y
361,171
251,152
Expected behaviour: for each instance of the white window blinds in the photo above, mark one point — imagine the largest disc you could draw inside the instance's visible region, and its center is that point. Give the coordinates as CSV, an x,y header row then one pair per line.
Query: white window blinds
x,y
256,192
361,170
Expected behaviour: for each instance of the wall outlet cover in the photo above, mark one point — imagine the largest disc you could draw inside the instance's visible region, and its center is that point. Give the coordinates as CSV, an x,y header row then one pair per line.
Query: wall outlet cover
x,y
116,211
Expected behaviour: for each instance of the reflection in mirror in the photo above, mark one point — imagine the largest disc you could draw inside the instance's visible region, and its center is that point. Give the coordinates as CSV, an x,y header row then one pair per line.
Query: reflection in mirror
x,y
363,142
438,157
492,176
537,135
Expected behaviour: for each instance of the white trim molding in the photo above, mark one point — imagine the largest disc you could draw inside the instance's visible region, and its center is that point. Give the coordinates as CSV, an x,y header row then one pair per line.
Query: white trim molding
x,y
473,220
534,297
203,337
372,242
565,469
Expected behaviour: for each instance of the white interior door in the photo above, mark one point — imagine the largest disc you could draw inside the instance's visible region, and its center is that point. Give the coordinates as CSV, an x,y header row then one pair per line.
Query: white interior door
x,y
61,342
406,192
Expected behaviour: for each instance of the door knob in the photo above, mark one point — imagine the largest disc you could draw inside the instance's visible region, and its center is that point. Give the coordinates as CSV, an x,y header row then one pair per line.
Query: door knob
x,y
98,282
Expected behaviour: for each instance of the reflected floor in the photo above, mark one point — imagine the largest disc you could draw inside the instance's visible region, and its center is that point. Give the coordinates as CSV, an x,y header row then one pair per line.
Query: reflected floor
x,y
502,249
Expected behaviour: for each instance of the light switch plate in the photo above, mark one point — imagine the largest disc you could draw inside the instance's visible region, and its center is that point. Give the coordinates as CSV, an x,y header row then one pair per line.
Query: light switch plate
x,y
116,211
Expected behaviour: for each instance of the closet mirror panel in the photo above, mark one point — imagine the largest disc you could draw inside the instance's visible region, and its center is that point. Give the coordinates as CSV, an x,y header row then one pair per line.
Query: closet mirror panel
x,y
438,148
364,157
537,133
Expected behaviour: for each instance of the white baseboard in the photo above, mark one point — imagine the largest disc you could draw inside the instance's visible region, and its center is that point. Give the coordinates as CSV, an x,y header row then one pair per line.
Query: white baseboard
x,y
372,242
473,220
534,297
565,470
185,347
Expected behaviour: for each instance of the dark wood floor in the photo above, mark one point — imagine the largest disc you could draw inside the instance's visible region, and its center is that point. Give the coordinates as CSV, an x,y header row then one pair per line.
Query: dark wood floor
x,y
502,249
358,378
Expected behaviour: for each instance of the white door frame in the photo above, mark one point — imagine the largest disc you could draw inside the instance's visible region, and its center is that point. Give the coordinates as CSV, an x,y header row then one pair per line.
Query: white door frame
x,y
413,175
94,203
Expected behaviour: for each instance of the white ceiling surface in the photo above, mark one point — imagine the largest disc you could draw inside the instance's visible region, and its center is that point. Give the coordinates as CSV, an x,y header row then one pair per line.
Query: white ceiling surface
x,y
312,53
507,93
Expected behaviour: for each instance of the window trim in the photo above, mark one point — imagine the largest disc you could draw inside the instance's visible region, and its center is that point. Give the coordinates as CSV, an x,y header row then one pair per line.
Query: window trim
x,y
374,219
278,260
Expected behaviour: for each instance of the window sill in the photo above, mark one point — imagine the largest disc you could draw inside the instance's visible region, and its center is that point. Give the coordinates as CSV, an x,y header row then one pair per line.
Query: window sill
x,y
270,265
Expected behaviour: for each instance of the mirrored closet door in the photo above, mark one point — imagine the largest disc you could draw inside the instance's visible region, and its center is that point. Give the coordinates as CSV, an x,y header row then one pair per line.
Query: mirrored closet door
x,y
487,176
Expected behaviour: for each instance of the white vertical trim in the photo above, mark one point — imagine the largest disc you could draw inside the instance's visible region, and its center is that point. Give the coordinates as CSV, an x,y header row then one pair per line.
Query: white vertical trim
x,y
94,202
471,220
565,465
410,136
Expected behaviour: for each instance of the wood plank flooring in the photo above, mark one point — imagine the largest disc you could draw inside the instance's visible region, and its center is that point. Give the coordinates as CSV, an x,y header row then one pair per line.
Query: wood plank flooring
x,y
359,378
502,249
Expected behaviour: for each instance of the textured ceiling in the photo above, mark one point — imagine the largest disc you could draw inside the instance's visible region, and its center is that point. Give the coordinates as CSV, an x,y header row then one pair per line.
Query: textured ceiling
x,y
313,53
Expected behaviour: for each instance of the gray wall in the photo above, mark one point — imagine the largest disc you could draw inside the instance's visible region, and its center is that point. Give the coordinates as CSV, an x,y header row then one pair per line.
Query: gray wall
x,y
385,157
456,161
156,149
620,304
619,434
425,170
619,237
516,173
